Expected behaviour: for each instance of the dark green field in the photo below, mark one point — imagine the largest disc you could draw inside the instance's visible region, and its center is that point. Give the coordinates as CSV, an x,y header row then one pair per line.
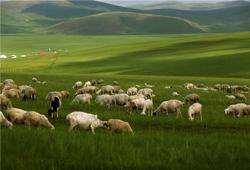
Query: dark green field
x,y
162,142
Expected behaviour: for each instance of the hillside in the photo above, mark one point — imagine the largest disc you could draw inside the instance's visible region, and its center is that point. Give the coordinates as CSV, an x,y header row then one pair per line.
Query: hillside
x,y
126,23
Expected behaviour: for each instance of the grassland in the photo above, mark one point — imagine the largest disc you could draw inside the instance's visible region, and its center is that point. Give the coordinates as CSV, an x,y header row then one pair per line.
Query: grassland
x,y
218,142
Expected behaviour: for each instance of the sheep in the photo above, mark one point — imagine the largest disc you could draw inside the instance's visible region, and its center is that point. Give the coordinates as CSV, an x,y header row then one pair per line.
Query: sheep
x,y
230,96
170,106
34,79
11,93
88,89
175,94
108,89
147,92
100,81
136,97
55,105
104,99
168,87
36,119
132,91
240,96
146,105
77,85
65,94
191,98
28,93
16,115
189,86
5,102
119,126
120,99
85,121
4,122
235,110
117,89
8,82
82,98
52,94
194,109
87,83
246,110
200,85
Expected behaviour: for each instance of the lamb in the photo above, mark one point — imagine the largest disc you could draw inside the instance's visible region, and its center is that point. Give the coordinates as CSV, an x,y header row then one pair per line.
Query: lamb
x,y
88,89
4,122
16,115
52,94
55,105
132,91
77,85
108,89
120,99
82,98
5,102
170,106
104,99
175,94
147,92
235,110
194,109
28,93
36,119
191,98
230,96
11,93
240,96
65,94
119,126
85,121
87,83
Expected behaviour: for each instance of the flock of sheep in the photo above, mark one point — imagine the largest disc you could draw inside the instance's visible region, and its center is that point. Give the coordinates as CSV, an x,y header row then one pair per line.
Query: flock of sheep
x,y
134,99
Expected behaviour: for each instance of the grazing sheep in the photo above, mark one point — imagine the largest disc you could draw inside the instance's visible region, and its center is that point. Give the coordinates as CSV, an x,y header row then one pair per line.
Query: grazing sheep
x,y
117,89
230,96
120,99
65,94
146,105
132,91
119,126
82,98
52,94
201,85
88,89
235,110
36,119
85,121
5,102
189,86
194,109
147,92
87,83
170,106
28,93
108,89
100,81
16,115
191,98
8,82
136,97
240,96
10,86
104,99
12,93
55,105
34,79
4,122
246,110
77,85
175,94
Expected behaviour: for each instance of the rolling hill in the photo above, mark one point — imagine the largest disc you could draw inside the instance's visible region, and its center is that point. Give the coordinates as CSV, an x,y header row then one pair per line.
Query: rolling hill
x,y
94,17
126,23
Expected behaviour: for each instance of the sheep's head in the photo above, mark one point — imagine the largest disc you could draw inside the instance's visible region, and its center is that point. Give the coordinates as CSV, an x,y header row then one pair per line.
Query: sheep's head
x,y
227,111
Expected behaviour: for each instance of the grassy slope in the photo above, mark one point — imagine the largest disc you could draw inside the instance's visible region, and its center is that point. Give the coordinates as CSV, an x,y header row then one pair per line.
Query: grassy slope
x,y
222,55
126,23
219,142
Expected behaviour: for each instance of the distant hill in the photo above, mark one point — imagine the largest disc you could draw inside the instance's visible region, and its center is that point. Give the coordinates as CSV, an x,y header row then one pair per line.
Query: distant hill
x,y
190,5
126,23
94,17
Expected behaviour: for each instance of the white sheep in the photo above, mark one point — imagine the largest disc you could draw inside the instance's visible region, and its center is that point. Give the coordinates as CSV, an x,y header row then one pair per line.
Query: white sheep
x,y
82,98
132,91
16,115
104,99
170,106
4,122
194,109
77,85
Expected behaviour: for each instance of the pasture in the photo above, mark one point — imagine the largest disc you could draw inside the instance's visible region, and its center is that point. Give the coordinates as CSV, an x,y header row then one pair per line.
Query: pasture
x,y
161,142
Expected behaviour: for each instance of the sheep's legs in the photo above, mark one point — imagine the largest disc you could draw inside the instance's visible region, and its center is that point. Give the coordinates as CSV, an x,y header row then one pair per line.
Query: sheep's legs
x,y
92,129
201,116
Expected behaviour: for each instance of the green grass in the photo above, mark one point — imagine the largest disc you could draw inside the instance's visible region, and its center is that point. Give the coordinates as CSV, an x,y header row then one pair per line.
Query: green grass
x,y
162,142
